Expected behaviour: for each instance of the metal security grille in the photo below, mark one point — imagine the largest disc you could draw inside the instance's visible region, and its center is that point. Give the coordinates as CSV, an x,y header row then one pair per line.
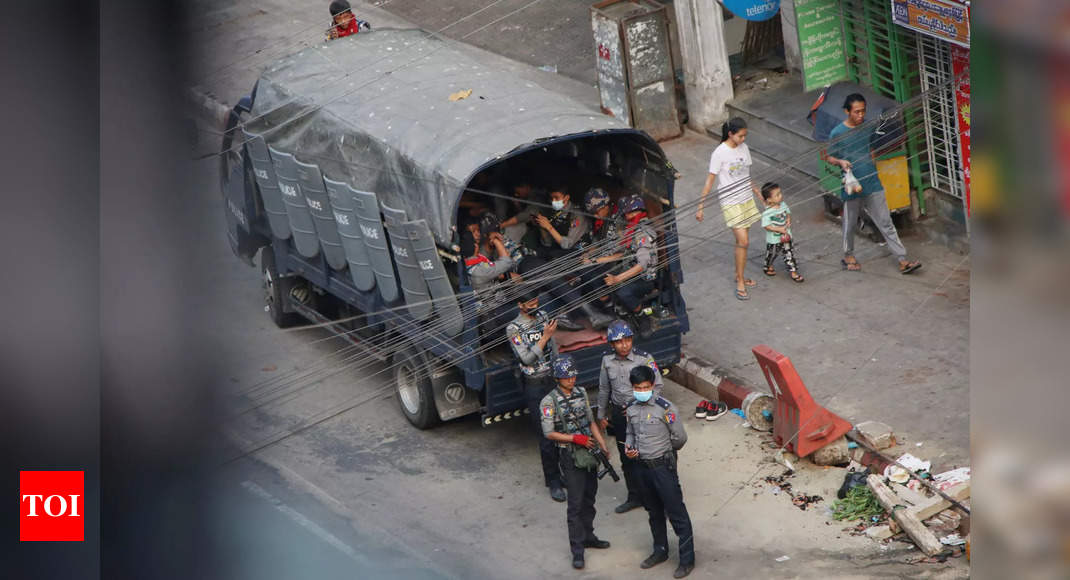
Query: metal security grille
x,y
945,166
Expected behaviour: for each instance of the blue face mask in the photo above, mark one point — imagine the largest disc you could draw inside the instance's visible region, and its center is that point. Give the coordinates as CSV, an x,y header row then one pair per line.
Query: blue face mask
x,y
558,205
643,396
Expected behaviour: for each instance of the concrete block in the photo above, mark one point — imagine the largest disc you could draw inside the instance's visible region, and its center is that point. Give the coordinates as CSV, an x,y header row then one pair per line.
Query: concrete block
x,y
879,532
876,434
835,453
731,394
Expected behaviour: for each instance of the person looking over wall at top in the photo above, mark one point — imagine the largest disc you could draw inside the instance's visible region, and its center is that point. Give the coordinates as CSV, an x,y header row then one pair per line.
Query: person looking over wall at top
x,y
345,23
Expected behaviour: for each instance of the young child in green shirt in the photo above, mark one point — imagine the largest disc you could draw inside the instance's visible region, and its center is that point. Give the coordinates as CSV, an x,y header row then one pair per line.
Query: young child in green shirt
x,y
776,219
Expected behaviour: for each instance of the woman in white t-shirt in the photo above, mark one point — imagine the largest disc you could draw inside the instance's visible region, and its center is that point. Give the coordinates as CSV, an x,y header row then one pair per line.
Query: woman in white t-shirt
x,y
730,168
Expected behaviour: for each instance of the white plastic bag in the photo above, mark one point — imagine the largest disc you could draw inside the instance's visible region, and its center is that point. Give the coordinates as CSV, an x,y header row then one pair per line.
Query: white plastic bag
x,y
850,183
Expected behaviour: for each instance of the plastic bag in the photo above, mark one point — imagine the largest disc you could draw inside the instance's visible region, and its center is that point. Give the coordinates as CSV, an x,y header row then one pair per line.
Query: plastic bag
x,y
851,480
851,185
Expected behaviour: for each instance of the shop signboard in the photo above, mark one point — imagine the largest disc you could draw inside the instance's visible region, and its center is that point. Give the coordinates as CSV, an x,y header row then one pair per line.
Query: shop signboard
x,y
820,42
944,19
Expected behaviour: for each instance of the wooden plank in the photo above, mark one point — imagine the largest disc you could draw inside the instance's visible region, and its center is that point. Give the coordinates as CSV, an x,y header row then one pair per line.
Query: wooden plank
x,y
926,541
938,504
915,498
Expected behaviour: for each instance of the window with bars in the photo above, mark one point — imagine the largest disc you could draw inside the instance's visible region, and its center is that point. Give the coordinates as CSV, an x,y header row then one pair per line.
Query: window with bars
x,y
945,165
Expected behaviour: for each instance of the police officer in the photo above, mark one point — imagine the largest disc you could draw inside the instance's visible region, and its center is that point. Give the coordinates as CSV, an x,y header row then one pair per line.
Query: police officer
x,y
531,335
568,422
655,434
563,229
615,391
483,275
640,263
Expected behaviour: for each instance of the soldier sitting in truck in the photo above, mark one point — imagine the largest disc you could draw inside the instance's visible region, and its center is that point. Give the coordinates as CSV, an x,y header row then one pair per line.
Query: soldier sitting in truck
x,y
484,275
640,261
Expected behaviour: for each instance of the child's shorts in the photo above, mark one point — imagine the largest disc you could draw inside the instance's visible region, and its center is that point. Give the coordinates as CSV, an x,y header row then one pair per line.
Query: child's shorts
x,y
741,215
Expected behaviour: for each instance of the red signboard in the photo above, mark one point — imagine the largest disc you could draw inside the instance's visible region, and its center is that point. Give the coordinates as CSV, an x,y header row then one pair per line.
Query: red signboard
x,y
960,66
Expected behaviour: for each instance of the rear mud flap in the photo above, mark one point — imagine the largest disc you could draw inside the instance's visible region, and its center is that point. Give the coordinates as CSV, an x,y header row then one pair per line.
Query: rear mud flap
x,y
345,216
452,398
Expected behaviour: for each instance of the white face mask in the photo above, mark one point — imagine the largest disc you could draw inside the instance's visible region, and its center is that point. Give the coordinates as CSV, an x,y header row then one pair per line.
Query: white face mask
x,y
558,205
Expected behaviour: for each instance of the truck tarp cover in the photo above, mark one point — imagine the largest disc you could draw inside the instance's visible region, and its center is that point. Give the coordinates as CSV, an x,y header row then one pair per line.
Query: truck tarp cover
x,y
374,110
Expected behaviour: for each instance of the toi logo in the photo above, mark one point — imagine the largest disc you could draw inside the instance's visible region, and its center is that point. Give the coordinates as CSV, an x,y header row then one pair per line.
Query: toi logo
x,y
51,506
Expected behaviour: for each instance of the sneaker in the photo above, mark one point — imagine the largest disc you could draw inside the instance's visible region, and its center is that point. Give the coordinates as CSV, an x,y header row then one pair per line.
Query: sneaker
x,y
716,410
702,409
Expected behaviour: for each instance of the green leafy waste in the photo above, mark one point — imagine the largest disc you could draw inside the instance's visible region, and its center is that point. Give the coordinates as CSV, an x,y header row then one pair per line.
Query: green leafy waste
x,y
860,503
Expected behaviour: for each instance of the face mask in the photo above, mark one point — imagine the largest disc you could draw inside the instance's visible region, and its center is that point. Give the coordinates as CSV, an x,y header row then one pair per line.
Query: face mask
x,y
642,396
558,205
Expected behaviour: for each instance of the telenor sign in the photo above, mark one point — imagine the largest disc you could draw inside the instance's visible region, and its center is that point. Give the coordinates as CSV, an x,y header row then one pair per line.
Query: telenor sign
x,y
944,19
753,9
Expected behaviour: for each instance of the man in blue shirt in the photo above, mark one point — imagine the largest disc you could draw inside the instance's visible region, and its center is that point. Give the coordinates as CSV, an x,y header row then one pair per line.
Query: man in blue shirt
x,y
850,150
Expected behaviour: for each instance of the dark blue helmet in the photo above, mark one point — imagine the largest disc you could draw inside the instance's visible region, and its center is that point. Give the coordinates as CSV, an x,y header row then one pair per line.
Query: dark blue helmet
x,y
617,330
596,199
564,367
630,203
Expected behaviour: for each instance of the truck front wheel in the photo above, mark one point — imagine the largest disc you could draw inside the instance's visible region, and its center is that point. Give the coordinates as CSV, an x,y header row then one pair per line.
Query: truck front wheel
x,y
413,388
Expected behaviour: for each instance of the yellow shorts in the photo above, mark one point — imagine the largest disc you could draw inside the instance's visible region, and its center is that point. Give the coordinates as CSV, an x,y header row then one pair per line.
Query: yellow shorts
x,y
741,215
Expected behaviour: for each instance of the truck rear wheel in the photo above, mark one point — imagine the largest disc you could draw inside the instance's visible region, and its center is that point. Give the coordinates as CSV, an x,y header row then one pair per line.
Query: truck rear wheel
x,y
413,388
275,290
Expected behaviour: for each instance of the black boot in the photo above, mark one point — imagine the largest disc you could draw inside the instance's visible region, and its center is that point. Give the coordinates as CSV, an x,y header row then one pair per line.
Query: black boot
x,y
598,320
557,493
654,559
566,323
628,506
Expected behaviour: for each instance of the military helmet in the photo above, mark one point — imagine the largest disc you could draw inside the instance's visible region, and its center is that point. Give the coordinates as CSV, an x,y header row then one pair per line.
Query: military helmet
x,y
488,222
596,199
564,367
630,203
617,330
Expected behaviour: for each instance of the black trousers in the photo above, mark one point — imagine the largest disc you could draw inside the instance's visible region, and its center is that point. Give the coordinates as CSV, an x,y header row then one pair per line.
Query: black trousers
x,y
631,293
663,497
535,388
582,486
619,422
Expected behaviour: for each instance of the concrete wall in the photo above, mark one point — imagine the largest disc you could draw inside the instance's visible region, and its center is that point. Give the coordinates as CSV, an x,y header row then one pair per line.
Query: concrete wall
x,y
792,52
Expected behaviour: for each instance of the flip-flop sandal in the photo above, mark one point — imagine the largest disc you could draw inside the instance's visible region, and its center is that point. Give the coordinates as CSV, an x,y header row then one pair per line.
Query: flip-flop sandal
x,y
742,295
910,267
749,282
847,266
797,278
770,271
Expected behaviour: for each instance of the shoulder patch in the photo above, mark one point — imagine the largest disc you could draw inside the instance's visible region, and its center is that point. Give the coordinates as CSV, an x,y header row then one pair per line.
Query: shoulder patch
x,y
653,365
670,417
516,339
663,403
575,222
548,412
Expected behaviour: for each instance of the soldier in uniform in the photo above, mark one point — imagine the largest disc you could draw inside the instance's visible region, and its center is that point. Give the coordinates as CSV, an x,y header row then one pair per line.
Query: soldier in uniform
x,y
615,391
655,434
484,275
640,263
601,248
563,229
568,422
531,335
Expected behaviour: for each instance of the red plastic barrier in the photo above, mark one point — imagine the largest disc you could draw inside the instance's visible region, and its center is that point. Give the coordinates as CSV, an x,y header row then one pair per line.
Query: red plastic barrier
x,y
797,419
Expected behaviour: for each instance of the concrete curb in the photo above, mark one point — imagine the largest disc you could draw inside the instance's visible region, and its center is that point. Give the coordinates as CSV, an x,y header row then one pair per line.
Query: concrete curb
x,y
710,381
714,382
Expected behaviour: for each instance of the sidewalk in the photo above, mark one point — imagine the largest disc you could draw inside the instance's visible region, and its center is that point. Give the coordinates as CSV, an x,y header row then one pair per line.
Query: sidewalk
x,y
869,345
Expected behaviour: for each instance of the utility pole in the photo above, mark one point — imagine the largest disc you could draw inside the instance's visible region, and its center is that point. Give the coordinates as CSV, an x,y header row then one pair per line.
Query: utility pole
x,y
707,78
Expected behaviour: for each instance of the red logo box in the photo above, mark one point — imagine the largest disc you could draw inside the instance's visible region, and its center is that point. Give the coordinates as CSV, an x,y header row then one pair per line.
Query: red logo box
x,y
51,506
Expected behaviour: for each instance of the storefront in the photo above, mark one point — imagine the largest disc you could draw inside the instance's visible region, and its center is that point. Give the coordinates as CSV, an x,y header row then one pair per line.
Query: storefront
x,y
902,49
